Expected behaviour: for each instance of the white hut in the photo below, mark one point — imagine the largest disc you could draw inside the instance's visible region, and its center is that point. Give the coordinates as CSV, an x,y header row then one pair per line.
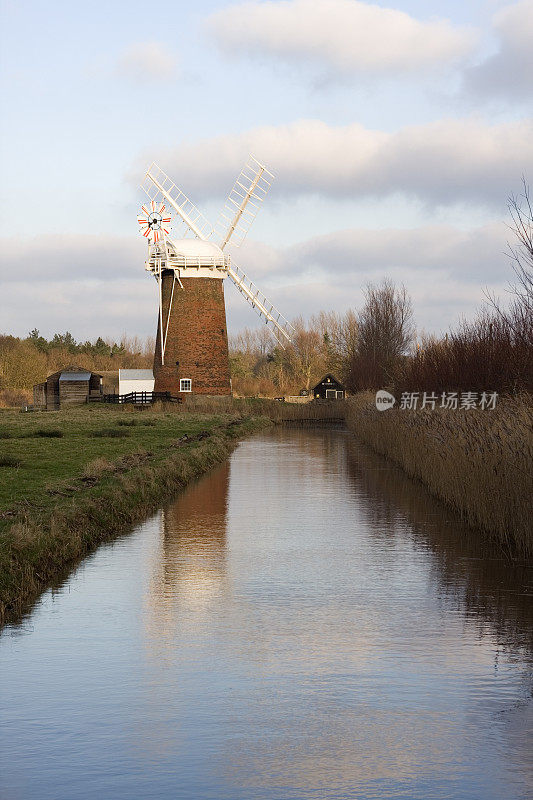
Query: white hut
x,y
135,380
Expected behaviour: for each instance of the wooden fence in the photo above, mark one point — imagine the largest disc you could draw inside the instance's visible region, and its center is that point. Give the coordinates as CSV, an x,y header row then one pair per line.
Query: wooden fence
x,y
138,398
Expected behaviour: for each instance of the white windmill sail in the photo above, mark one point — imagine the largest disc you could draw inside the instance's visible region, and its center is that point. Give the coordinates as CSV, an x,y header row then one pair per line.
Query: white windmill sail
x,y
158,185
243,203
260,304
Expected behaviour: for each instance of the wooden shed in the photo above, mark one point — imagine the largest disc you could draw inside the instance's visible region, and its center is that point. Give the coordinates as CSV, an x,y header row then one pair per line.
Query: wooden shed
x,y
329,388
68,387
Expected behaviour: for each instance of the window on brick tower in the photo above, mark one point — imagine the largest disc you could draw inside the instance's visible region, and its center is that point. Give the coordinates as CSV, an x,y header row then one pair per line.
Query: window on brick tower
x,y
185,385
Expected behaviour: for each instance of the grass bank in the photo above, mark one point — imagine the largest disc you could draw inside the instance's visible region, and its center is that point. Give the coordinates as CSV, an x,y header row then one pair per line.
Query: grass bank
x,y
478,462
72,479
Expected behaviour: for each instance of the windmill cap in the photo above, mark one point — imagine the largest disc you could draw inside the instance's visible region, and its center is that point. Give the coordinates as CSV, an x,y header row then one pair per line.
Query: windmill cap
x,y
198,250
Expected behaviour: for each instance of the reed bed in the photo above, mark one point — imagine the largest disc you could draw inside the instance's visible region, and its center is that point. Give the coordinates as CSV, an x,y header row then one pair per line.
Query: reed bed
x,y
311,413
275,410
478,462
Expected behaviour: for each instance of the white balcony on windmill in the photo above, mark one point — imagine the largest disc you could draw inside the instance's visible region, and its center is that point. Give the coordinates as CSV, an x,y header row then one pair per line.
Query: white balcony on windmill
x,y
189,257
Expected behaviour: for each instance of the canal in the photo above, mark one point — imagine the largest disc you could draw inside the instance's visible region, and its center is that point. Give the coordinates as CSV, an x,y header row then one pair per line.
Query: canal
x,y
303,623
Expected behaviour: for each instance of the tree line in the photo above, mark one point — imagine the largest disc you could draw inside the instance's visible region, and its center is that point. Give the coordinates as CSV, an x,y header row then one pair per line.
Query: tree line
x,y
370,348
376,347
28,360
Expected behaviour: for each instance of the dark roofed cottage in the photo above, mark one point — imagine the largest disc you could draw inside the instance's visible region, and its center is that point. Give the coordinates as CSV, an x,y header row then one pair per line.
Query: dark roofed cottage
x,y
329,388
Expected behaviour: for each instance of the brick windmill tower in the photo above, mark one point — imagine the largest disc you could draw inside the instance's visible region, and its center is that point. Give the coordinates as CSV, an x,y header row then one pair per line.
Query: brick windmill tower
x,y
191,353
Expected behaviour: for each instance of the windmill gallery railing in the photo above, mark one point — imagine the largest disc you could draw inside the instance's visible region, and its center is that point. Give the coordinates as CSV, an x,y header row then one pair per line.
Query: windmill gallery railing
x,y
138,398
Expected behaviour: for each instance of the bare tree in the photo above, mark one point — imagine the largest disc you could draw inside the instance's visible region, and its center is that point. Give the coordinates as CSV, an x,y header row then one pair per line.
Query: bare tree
x,y
385,335
518,315
303,357
338,333
521,253
325,343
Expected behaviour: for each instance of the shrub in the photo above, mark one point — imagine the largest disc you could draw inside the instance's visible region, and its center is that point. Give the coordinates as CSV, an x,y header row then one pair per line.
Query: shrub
x,y
10,398
48,433
487,354
10,461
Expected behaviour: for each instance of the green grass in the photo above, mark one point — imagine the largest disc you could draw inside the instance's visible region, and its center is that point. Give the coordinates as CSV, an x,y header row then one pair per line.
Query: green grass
x,y
86,435
62,495
111,433
57,446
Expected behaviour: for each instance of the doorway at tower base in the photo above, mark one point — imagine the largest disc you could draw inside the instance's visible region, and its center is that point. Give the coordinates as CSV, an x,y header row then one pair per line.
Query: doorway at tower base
x,y
196,352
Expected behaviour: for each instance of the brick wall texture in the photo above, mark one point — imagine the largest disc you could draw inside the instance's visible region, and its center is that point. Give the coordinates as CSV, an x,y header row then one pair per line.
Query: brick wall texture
x,y
197,340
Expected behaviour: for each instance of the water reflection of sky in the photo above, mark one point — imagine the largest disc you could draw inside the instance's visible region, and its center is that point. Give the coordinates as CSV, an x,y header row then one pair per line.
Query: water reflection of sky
x,y
304,622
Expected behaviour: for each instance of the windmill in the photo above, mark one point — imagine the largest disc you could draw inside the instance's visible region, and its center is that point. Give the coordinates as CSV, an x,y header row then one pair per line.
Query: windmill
x,y
191,353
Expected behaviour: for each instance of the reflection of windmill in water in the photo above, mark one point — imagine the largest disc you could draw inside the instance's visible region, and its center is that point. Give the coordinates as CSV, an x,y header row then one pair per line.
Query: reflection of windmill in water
x,y
190,571
191,353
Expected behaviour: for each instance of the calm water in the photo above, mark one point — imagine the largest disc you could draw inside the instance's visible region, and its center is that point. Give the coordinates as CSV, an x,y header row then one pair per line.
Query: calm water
x,y
304,622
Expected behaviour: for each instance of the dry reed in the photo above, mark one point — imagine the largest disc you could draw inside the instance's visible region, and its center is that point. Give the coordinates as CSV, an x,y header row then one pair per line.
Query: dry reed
x,y
275,410
312,413
478,462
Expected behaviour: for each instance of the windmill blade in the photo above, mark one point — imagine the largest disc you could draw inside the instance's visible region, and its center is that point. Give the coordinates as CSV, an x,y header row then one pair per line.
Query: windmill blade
x,y
159,186
243,203
283,329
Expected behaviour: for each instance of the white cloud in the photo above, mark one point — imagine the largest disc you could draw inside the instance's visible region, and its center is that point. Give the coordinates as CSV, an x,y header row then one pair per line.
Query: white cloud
x,y
71,257
508,73
95,285
445,162
90,285
86,309
473,256
341,35
445,269
436,309
146,61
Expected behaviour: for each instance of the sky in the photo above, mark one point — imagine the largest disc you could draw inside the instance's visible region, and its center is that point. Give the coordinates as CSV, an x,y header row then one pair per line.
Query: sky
x,y
396,133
